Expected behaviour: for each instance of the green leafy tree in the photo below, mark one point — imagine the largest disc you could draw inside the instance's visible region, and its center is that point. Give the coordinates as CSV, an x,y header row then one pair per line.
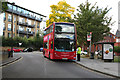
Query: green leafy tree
x,y
117,49
90,18
3,6
38,41
60,13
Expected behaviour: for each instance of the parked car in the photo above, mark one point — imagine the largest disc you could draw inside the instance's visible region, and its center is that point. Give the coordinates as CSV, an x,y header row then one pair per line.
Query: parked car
x,y
83,53
28,49
16,50
41,49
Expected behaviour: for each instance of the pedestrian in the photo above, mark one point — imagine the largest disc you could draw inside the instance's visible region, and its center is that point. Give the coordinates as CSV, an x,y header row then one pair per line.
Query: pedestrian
x,y
78,53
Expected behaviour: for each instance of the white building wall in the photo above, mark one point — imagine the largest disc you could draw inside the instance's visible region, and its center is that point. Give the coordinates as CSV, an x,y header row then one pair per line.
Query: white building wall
x,y
1,24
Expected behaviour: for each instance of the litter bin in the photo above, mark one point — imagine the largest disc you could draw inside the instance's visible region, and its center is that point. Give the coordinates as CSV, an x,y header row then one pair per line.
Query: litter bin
x,y
92,55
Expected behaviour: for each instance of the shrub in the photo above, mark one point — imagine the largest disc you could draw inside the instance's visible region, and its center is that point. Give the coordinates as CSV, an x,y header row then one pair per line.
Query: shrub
x,y
117,49
35,42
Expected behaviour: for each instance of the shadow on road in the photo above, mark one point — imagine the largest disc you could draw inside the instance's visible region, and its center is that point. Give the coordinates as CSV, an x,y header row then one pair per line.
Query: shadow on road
x,y
59,60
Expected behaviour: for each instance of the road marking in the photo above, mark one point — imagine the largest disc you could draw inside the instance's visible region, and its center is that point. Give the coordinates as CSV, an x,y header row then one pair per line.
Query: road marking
x,y
11,63
94,71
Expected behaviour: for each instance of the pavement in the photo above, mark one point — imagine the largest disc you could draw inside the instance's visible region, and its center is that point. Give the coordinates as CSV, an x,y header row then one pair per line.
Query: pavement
x,y
9,60
98,65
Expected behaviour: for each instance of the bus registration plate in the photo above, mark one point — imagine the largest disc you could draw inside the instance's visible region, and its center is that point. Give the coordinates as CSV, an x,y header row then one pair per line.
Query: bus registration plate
x,y
64,58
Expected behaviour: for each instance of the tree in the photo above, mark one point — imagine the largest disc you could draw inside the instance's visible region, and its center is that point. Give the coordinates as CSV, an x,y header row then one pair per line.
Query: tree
x,y
4,6
60,13
38,41
90,18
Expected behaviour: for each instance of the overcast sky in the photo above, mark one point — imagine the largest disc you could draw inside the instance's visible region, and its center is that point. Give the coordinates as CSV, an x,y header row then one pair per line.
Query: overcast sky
x,y
43,7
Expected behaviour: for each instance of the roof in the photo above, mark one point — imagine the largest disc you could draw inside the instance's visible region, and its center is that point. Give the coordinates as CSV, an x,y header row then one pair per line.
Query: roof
x,y
117,33
25,9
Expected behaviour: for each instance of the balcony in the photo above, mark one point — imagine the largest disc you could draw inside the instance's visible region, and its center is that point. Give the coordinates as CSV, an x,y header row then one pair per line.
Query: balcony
x,y
24,15
21,32
30,33
31,26
9,20
25,24
25,32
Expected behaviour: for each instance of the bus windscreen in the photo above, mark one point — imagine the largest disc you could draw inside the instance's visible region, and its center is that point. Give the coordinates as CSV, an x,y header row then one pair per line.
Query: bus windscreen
x,y
64,45
64,28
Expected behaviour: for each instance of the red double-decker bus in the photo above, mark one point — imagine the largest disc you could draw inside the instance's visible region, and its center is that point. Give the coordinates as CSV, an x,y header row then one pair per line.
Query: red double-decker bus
x,y
60,41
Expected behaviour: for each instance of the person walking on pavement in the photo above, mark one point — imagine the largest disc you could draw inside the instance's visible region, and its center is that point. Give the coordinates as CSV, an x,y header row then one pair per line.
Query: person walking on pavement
x,y
78,53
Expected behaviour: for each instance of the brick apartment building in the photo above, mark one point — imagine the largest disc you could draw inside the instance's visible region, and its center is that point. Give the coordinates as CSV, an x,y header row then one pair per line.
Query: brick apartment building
x,y
25,22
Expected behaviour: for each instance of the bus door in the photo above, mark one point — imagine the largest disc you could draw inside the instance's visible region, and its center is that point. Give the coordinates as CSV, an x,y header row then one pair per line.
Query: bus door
x,y
47,45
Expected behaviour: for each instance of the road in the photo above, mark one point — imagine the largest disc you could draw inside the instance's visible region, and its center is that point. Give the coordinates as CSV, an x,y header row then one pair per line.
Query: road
x,y
34,65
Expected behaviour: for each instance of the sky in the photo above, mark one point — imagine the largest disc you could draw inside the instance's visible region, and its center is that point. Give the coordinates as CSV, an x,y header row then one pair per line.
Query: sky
x,y
43,7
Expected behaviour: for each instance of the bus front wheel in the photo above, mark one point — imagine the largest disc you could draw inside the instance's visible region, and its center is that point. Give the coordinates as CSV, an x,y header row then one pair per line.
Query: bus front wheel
x,y
44,54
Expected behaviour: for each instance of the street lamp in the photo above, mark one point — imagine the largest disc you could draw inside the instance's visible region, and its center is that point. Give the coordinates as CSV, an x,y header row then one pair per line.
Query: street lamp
x,y
20,44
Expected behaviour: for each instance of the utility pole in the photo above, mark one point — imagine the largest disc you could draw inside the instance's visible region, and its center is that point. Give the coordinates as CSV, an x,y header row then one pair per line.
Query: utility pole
x,y
89,36
90,40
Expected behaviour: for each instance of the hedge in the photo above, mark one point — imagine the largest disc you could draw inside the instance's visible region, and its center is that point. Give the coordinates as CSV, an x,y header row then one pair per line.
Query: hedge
x,y
117,49
35,42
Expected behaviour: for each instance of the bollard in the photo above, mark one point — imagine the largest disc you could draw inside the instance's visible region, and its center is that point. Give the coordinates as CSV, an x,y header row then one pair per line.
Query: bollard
x,y
92,55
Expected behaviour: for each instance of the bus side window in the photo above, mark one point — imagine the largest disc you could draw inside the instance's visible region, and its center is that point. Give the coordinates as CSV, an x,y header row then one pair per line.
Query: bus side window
x,y
45,45
51,44
44,32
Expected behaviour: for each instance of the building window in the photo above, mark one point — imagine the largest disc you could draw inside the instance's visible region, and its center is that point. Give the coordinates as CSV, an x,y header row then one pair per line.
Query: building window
x,y
9,27
3,34
29,22
9,35
38,25
26,12
14,8
28,29
21,28
3,26
9,6
4,16
14,18
23,20
37,31
117,40
19,10
22,11
34,22
14,28
114,37
20,19
9,18
31,14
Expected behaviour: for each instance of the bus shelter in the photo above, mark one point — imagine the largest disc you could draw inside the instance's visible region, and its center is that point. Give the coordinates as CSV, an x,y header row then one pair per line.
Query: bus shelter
x,y
107,50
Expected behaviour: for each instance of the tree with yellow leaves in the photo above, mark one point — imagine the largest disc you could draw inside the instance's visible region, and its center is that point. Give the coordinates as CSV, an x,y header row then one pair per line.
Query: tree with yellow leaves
x,y
61,12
